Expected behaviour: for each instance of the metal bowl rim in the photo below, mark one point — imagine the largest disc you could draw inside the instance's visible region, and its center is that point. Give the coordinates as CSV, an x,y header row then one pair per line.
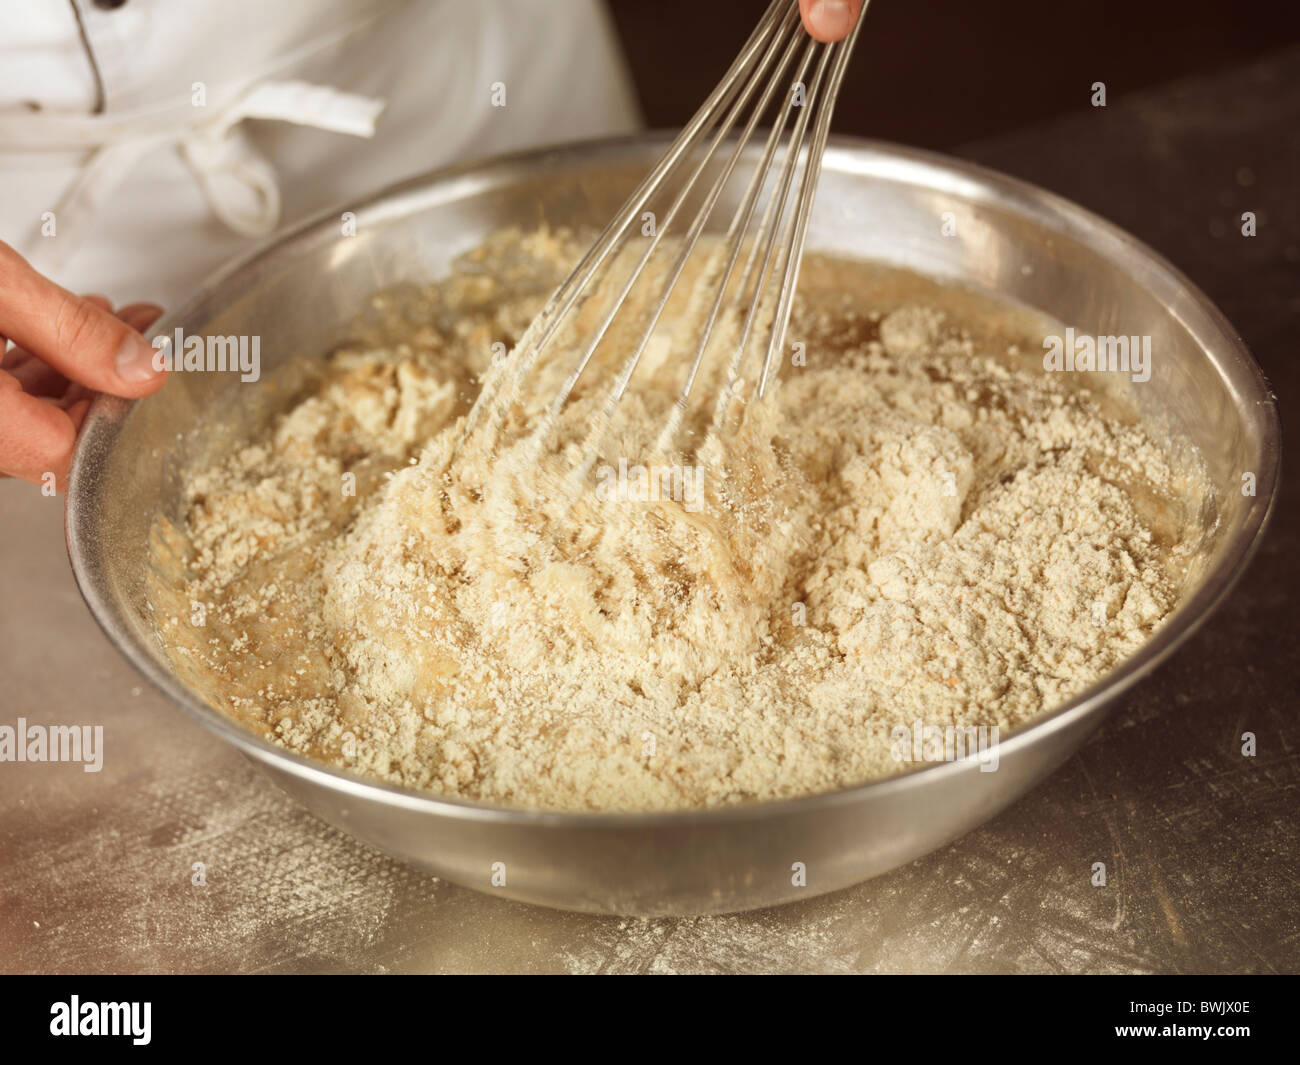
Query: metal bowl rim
x,y
108,415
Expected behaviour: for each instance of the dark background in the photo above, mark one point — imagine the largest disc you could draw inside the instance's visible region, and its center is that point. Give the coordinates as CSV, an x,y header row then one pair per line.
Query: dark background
x,y
938,73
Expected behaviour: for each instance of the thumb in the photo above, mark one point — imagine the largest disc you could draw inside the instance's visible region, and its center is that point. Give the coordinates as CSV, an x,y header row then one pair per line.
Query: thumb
x,y
81,340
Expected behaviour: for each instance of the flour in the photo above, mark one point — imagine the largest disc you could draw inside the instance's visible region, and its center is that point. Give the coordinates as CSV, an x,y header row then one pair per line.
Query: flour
x,y
913,526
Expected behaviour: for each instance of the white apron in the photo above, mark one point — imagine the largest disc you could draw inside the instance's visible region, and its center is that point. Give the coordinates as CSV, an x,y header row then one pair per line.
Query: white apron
x,y
221,122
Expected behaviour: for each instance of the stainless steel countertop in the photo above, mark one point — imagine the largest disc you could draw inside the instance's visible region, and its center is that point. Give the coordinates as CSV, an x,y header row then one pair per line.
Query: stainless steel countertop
x,y
1200,843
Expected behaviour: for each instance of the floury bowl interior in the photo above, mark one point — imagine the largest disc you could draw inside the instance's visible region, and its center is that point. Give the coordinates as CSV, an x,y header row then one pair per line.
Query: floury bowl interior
x,y
1018,241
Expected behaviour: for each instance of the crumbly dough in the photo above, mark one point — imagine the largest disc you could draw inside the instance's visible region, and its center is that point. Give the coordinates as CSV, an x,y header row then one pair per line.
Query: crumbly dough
x,y
917,524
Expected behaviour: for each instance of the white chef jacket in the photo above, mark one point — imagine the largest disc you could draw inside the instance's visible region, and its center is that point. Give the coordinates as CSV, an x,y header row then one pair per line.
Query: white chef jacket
x,y
145,142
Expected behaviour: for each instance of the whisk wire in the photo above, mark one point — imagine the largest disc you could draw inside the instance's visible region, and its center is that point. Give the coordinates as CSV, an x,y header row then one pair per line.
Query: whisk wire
x,y
662,227
575,285
771,226
775,246
794,256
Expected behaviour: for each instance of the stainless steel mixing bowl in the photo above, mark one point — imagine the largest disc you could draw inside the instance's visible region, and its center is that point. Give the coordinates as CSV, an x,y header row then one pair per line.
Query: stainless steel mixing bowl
x,y
876,201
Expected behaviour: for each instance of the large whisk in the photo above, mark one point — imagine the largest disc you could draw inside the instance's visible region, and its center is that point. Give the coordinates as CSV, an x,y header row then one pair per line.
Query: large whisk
x,y
780,71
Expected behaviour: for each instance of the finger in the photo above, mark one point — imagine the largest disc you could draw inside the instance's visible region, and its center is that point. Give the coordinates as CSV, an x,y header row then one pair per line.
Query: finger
x,y
829,20
140,316
49,450
38,379
81,340
74,394
36,436
77,415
